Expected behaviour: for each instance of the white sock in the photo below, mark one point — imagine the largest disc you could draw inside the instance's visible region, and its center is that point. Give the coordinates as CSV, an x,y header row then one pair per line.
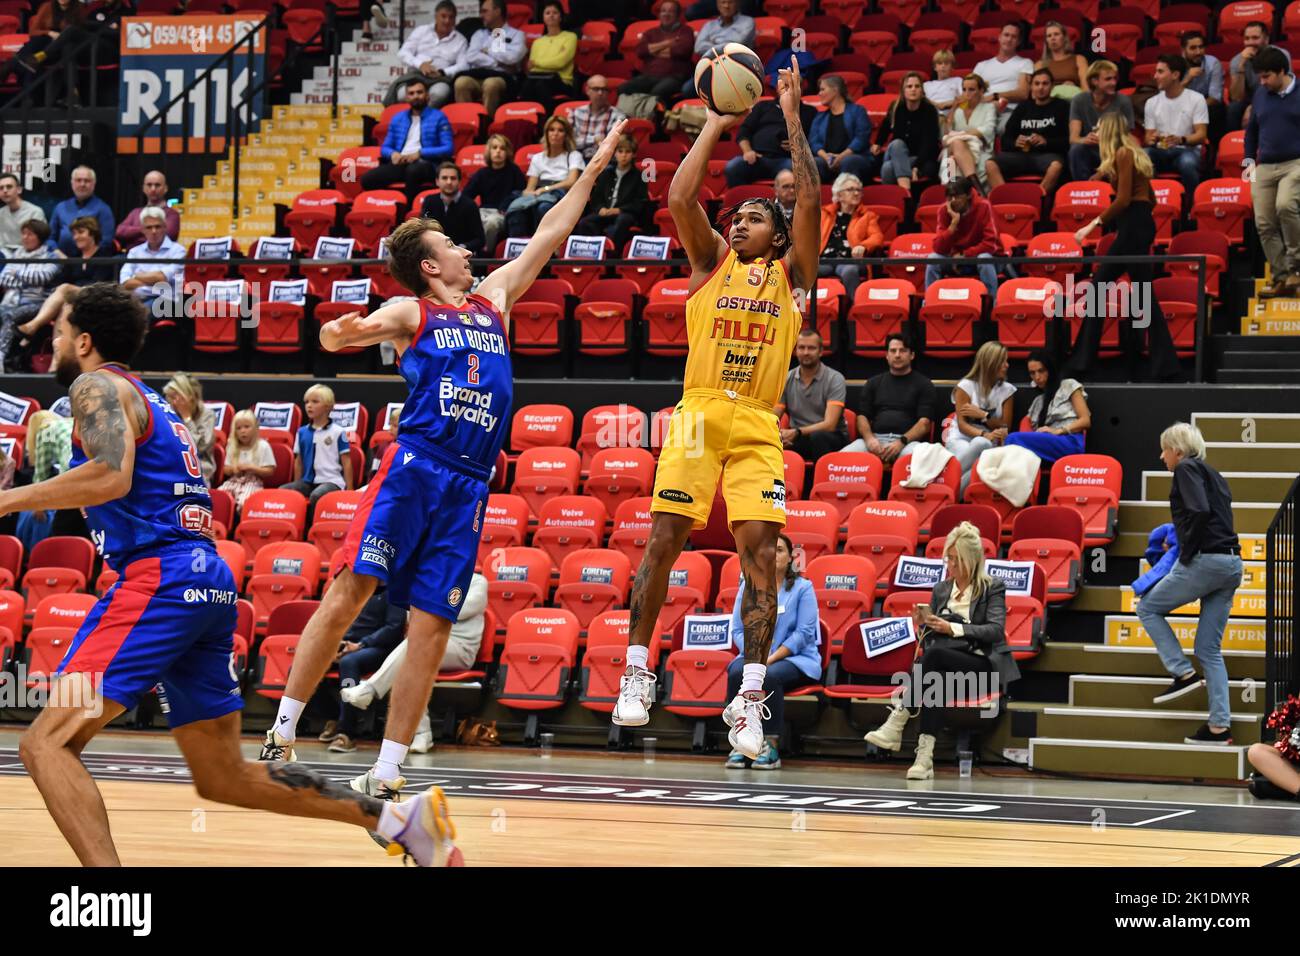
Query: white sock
x,y
286,721
389,764
638,656
753,678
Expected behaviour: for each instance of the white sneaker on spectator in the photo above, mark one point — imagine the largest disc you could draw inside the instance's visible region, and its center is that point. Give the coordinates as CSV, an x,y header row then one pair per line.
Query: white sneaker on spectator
x,y
422,742
360,695
380,17
635,692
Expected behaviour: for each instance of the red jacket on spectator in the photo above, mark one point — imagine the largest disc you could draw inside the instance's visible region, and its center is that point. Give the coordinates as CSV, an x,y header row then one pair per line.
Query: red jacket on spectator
x,y
679,62
975,233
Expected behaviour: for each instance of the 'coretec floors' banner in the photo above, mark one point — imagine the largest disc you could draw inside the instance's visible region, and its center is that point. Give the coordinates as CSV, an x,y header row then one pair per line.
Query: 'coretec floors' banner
x,y
163,57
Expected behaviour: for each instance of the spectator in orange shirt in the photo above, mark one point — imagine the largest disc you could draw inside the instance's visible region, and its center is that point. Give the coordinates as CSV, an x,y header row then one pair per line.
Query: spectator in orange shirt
x,y
849,231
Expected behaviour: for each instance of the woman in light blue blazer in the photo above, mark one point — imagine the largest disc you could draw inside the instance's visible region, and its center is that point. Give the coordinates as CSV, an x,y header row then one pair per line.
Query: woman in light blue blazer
x,y
795,658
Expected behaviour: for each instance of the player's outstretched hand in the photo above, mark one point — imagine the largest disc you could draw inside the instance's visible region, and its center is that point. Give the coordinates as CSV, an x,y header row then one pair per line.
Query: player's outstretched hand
x,y
789,88
336,334
605,151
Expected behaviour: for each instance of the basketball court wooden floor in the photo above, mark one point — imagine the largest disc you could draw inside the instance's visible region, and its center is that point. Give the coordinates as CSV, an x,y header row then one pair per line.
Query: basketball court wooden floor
x,y
515,808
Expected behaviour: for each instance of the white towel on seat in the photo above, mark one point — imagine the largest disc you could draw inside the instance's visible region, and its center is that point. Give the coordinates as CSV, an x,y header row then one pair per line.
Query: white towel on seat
x,y
1010,471
928,461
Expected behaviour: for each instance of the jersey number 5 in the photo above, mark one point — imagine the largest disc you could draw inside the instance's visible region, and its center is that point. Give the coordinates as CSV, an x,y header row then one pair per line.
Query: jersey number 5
x,y
472,376
191,453
756,274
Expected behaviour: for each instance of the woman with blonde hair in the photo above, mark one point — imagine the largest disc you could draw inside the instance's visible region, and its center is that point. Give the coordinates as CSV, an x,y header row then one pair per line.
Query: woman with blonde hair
x,y
185,395
1126,165
962,635
970,130
984,402
551,173
1069,69
249,459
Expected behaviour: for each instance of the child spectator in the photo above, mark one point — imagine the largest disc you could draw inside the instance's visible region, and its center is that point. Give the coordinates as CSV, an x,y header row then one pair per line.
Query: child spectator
x,y
323,462
249,459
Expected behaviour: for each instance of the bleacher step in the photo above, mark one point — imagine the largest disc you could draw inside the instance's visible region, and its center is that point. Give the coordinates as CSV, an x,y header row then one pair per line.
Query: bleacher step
x,y
1138,758
1246,486
1115,599
1248,517
1075,657
1240,634
1253,574
1133,544
1235,426
1111,690
1138,724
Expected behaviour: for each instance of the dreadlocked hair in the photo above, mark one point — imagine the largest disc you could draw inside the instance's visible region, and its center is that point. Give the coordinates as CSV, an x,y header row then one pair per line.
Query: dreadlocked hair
x,y
780,225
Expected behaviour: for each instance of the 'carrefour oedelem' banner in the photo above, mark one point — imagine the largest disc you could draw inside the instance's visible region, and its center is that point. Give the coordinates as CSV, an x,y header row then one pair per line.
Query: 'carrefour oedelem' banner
x,y
164,56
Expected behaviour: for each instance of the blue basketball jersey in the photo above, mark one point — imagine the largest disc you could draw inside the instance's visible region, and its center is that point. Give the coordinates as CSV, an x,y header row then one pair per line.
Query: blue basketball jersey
x,y
461,385
168,503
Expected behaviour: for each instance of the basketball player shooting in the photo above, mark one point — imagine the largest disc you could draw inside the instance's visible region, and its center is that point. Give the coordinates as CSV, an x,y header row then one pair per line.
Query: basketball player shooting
x,y
742,322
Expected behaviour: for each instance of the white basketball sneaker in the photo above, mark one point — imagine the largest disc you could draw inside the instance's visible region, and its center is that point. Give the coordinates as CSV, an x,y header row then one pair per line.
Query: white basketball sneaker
x,y
428,834
745,716
276,747
360,695
635,692
373,786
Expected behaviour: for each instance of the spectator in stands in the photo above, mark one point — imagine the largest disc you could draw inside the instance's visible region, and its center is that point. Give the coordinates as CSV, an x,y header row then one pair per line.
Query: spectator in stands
x,y
665,53
154,282
908,138
101,22
378,629
896,408
1006,76
1086,111
1129,169
840,135
83,202
593,120
1243,78
983,401
418,140
49,449
496,186
1278,776
945,89
50,19
1036,140
76,271
323,460
1068,69
618,200
966,231
26,277
1208,569
731,26
551,173
455,211
850,230
184,394
970,135
1176,121
250,462
129,231
14,211
433,48
764,148
1205,76
814,399
1058,415
489,68
1273,144
550,60
710,8
795,658
963,636
462,651
784,192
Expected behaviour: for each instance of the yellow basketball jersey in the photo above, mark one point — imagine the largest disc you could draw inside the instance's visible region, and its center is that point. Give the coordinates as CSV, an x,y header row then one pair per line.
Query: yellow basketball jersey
x,y
741,326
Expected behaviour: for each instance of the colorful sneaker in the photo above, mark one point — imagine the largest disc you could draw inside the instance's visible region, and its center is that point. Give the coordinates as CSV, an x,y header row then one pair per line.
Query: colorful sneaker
x,y
635,692
735,761
276,747
372,786
428,834
769,759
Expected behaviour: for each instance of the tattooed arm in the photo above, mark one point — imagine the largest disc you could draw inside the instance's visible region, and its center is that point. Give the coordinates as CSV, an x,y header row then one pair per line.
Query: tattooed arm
x,y
805,232
107,433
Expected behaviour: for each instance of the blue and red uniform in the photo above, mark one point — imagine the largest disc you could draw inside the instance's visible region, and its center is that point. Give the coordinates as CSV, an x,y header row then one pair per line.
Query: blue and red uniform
x,y
419,523
170,617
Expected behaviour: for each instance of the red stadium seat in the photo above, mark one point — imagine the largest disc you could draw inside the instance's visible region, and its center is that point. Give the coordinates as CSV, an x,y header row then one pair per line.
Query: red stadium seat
x,y
275,653
278,327
880,306
883,531
541,426
11,560
604,660
813,527
537,659
632,528
568,523
505,524
845,585
664,318
13,610
580,277
1199,242
352,164
1178,302
537,320
1048,245
846,479
270,516
58,565
610,426
875,674
1090,485
913,245
619,474
604,317
983,517
1051,537
519,578
45,649
216,326
373,216
236,557
1021,312
592,581
543,473
283,572
645,276
61,610
1017,207
928,499
795,468
978,493
1223,206
950,308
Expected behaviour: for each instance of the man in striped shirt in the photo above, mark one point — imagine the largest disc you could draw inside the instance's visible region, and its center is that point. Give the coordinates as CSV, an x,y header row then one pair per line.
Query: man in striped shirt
x,y
593,120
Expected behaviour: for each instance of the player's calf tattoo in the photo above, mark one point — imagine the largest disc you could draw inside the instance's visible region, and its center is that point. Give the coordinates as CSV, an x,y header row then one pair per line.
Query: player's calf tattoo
x,y
304,778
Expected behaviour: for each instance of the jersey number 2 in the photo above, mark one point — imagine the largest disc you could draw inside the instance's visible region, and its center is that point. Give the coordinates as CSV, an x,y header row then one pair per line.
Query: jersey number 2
x,y
191,453
472,376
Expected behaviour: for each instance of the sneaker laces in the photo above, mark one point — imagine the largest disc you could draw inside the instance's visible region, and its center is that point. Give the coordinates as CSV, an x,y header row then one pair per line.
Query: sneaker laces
x,y
638,683
756,709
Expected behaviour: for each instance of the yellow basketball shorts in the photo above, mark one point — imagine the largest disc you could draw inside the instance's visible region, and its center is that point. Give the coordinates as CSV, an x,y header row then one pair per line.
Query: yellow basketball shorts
x,y
712,436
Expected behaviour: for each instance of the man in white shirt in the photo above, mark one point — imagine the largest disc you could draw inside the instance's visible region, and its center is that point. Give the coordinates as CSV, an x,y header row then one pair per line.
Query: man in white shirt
x,y
1176,121
153,282
14,211
489,67
1007,75
433,48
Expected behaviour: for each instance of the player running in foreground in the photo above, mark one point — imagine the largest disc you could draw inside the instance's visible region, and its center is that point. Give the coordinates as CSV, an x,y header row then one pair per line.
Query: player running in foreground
x,y
168,621
742,322
418,525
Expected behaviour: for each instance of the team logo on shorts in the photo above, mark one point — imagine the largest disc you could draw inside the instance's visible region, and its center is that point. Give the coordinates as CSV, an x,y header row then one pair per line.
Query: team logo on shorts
x,y
672,494
776,495
454,596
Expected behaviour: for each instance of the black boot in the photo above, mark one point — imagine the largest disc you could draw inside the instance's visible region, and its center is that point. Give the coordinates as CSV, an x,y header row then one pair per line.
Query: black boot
x,y
1263,788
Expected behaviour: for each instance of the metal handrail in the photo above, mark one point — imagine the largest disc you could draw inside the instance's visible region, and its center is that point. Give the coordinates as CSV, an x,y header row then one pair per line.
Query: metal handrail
x,y
1281,606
